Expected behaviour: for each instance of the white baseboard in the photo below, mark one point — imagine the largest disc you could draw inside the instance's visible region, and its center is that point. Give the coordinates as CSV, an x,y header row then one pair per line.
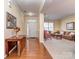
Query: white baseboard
x,y
10,51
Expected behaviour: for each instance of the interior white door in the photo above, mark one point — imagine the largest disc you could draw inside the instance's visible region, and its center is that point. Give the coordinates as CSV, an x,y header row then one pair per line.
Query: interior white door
x,y
32,29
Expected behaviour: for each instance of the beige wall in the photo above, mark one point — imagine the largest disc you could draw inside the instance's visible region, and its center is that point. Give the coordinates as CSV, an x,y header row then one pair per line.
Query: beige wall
x,y
67,20
57,25
15,11
61,24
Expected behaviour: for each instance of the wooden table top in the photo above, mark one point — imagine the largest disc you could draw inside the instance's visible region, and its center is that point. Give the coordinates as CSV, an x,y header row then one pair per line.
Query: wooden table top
x,y
14,38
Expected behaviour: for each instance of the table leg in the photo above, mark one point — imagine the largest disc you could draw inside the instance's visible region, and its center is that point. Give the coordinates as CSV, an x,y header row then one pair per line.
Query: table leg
x,y
18,44
7,52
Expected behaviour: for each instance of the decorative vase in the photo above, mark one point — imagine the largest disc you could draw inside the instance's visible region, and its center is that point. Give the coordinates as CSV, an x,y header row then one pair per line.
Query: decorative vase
x,y
16,29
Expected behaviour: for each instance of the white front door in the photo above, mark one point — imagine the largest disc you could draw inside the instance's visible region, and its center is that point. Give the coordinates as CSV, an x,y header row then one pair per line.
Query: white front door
x,y
32,29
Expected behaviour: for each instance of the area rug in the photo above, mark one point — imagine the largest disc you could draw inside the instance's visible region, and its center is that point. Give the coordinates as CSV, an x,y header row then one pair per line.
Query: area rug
x,y
60,49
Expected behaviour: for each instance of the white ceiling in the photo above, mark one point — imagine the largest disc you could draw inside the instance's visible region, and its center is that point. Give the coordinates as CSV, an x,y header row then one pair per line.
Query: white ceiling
x,y
57,9
30,5
53,9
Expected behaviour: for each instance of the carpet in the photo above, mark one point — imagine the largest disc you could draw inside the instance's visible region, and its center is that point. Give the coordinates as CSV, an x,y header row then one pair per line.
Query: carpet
x,y
60,49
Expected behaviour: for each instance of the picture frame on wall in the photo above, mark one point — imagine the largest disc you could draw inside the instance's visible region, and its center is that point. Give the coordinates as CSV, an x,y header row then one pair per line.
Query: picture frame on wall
x,y
11,21
70,26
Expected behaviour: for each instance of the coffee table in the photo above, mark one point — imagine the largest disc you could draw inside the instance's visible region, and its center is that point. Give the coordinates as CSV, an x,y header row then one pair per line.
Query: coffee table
x,y
58,36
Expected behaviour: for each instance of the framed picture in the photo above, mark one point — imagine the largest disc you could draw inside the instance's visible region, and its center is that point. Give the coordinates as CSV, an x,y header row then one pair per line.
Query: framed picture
x,y
11,21
70,26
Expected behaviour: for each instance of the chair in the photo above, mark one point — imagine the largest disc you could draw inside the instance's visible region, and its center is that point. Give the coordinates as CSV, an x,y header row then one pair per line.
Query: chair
x,y
47,34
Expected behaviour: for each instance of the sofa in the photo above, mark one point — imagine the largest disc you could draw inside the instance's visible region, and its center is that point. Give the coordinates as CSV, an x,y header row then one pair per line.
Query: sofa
x,y
65,34
68,35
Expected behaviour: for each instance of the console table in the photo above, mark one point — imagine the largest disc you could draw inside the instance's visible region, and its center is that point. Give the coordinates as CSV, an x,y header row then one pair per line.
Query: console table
x,y
20,43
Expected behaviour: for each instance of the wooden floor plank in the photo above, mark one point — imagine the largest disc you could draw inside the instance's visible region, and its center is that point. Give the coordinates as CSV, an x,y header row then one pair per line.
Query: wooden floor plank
x,y
33,50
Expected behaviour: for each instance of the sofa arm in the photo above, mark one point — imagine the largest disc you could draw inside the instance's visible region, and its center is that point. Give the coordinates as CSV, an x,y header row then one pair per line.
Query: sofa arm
x,y
73,37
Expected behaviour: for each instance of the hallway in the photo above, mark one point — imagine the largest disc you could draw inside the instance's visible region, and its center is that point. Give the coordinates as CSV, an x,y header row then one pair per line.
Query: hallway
x,y
33,50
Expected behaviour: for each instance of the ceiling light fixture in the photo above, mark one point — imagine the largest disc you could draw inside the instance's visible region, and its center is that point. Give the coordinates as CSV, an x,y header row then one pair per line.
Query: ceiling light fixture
x,y
30,14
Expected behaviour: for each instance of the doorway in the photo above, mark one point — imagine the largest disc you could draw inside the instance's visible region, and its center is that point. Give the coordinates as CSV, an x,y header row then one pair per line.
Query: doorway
x,y
32,30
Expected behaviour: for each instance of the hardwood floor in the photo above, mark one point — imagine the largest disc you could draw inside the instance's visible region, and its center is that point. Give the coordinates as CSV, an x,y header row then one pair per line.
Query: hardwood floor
x,y
33,50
